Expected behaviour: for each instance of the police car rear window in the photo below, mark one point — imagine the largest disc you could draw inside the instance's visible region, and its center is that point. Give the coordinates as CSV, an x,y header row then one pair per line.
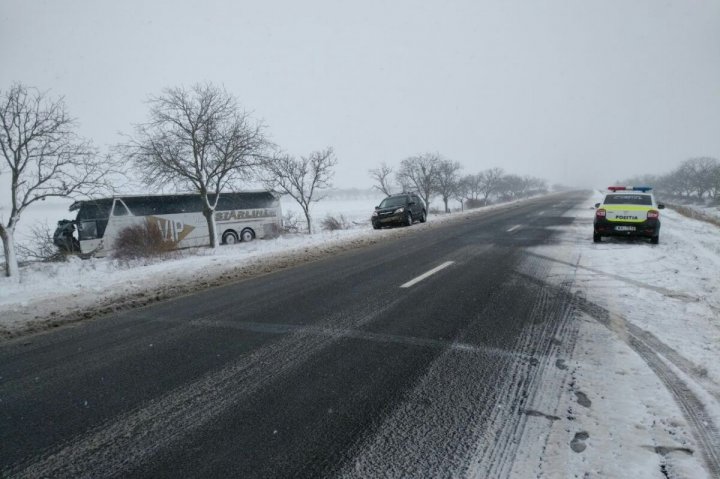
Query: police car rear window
x,y
628,200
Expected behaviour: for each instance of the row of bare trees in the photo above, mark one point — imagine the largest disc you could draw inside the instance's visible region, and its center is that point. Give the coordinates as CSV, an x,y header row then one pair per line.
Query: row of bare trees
x,y
432,175
196,139
695,179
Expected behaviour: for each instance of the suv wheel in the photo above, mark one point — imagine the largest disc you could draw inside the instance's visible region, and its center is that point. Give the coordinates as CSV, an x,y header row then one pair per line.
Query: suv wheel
x,y
408,219
423,217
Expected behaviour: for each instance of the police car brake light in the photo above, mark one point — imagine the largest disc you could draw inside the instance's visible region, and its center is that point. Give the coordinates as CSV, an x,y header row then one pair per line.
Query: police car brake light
x,y
653,214
601,212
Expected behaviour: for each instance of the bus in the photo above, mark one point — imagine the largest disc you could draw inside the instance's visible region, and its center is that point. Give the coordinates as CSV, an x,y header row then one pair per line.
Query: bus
x,y
239,216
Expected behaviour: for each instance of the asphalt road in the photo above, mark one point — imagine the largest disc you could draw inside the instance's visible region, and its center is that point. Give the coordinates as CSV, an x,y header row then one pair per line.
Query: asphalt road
x,y
341,367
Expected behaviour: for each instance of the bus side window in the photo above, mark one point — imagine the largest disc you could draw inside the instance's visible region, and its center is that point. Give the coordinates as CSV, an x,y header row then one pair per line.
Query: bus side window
x,y
119,209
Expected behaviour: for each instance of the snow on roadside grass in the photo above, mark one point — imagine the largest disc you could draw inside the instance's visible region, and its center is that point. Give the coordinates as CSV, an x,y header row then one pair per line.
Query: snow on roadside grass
x,y
56,289
671,292
711,212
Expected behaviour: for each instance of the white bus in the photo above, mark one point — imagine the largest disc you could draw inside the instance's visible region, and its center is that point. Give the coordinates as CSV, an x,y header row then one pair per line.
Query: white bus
x,y
240,216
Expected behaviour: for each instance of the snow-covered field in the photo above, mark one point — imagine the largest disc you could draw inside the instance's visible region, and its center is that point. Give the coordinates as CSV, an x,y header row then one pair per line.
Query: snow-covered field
x,y
635,393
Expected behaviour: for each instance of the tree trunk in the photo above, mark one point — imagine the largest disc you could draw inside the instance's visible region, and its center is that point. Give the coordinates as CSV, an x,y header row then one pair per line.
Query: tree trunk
x,y
212,227
426,200
209,214
11,264
307,218
447,209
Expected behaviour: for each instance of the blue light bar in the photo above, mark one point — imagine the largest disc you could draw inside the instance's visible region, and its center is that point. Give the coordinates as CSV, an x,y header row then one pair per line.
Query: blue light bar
x,y
644,189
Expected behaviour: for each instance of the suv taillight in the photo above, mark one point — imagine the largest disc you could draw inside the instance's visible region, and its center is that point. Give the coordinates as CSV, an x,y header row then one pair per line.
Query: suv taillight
x,y
653,214
600,213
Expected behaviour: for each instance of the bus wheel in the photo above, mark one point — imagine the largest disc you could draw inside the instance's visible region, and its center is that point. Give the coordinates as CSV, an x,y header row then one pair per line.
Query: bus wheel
x,y
229,237
247,235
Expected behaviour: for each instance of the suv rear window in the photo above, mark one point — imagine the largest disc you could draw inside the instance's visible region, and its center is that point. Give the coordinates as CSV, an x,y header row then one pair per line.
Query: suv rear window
x,y
628,200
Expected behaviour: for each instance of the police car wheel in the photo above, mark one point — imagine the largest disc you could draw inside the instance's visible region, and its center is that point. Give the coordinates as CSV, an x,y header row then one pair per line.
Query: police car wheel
x,y
596,238
655,239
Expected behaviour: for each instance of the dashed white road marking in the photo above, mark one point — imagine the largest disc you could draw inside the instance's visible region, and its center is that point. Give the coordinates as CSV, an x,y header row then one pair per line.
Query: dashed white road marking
x,y
414,281
513,228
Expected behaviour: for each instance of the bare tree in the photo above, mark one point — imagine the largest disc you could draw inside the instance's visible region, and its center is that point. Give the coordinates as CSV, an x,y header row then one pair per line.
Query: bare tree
x,y
198,138
511,187
529,186
382,177
464,190
420,173
685,178
447,180
700,173
694,179
489,182
39,245
302,179
471,185
44,157
715,181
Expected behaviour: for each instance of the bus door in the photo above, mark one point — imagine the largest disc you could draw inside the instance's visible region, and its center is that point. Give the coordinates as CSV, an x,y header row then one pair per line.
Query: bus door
x,y
92,221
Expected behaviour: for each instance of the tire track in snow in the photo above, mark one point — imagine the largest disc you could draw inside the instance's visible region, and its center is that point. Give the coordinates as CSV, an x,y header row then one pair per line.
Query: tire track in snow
x,y
450,425
650,348
658,289
703,427
507,427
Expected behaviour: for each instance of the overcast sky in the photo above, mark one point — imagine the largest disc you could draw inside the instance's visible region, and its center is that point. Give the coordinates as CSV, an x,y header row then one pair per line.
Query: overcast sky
x,y
578,92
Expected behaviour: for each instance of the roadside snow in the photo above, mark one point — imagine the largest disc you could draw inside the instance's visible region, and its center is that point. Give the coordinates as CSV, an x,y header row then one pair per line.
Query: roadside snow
x,y
707,211
640,394
50,294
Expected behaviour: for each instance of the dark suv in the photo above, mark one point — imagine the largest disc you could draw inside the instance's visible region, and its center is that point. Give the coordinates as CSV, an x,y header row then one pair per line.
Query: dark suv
x,y
403,208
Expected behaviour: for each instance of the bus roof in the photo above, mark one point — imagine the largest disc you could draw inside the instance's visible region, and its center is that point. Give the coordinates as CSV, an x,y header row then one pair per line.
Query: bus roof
x,y
256,194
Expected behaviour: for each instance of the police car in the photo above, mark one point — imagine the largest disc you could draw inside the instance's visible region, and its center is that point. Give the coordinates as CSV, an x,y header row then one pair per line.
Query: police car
x,y
628,211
